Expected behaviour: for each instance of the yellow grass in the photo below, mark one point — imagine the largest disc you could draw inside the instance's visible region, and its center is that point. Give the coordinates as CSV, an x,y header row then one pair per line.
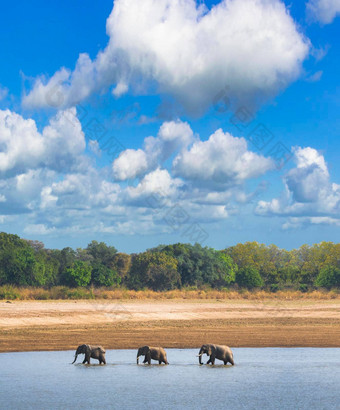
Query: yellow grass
x,y
61,292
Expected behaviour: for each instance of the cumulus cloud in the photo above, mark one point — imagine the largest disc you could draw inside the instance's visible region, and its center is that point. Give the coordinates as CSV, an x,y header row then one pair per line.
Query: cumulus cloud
x,y
81,191
324,11
23,147
133,163
187,51
157,182
130,164
221,161
309,193
30,160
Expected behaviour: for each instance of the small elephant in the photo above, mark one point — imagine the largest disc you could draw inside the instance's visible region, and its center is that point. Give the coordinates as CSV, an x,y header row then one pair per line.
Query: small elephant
x,y
155,353
216,352
96,352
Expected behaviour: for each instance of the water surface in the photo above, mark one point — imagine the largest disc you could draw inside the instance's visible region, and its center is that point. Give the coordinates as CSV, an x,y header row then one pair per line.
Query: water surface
x,y
262,378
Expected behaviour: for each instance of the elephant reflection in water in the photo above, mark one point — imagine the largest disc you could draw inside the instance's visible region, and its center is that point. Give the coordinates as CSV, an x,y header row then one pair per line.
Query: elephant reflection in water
x,y
96,352
223,353
155,353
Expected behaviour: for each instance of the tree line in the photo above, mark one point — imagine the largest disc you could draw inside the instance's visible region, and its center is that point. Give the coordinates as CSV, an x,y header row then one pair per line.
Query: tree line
x,y
165,267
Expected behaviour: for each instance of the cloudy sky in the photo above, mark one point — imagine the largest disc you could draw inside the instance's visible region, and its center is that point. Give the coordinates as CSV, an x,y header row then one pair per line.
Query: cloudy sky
x,y
142,122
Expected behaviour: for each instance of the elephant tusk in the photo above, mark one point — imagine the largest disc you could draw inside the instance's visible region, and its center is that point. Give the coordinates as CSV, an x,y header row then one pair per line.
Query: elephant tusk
x,y
199,355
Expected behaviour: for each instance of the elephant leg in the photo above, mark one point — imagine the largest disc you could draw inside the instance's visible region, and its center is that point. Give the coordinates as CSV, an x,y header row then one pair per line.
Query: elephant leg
x,y
209,361
212,359
147,358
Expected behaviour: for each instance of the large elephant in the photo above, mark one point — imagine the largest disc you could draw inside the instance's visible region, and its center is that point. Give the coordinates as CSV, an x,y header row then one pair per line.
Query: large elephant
x,y
216,352
155,353
96,352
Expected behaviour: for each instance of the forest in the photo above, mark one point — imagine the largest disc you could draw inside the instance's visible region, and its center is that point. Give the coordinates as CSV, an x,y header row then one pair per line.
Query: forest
x,y
251,265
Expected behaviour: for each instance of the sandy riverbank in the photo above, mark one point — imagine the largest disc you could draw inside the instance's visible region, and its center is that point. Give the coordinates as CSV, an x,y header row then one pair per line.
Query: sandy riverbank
x,y
60,325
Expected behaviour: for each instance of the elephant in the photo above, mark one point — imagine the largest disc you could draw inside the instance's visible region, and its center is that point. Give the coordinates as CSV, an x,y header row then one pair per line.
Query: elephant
x,y
216,352
96,352
155,353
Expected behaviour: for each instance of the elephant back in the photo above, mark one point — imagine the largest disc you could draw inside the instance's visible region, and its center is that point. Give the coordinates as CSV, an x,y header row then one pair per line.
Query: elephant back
x,y
100,348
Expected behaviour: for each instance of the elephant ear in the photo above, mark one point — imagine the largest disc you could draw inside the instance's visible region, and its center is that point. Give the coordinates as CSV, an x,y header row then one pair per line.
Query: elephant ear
x,y
209,350
81,348
88,348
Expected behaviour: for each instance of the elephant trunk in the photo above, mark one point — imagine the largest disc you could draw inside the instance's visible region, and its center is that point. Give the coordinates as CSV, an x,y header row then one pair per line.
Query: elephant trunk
x,y
138,357
75,358
200,357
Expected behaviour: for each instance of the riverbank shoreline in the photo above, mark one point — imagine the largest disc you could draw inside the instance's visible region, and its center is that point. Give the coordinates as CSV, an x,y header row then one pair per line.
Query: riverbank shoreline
x,y
120,324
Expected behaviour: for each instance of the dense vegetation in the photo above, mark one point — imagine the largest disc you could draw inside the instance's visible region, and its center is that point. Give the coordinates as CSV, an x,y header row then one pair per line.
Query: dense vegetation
x,y
250,265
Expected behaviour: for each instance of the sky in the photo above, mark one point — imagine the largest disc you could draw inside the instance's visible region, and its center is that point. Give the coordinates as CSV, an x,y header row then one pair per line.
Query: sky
x,y
147,122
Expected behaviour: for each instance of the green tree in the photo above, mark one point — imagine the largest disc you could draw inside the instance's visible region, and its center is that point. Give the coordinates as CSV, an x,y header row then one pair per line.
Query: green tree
x,y
104,276
329,277
122,264
79,274
18,265
157,271
102,253
200,266
249,277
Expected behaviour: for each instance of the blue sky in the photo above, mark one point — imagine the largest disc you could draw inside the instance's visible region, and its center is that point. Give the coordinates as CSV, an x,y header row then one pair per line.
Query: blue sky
x,y
147,122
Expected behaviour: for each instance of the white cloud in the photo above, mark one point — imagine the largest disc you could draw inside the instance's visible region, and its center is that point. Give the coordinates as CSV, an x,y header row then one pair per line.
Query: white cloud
x,y
130,164
22,191
157,182
81,191
133,163
23,147
38,229
254,46
95,147
294,222
309,193
324,11
221,161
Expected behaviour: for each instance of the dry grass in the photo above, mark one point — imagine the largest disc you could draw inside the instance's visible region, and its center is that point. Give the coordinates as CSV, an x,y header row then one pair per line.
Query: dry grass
x,y
62,292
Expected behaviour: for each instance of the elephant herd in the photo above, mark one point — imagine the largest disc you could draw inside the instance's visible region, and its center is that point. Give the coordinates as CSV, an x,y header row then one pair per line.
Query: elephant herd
x,y
223,353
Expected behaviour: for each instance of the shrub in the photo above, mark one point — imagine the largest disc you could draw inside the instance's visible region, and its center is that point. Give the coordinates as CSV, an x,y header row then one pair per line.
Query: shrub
x,y
303,288
9,292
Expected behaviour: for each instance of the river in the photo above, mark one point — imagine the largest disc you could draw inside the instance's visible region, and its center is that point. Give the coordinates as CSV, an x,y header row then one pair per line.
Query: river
x,y
262,378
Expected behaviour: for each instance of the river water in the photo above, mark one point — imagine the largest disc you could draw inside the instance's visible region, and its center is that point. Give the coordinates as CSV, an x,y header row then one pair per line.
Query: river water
x,y
262,378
